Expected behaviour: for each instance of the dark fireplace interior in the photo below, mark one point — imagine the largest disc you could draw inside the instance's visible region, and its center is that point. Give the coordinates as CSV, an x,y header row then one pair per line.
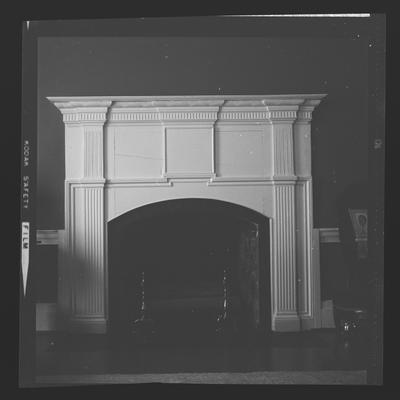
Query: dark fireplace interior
x,y
188,270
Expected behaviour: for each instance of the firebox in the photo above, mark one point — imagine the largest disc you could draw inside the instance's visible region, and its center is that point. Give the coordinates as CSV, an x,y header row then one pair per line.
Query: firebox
x,y
144,177
191,268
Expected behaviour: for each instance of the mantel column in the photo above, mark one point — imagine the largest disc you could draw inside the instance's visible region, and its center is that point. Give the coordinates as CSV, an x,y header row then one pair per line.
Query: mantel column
x,y
85,226
284,274
308,272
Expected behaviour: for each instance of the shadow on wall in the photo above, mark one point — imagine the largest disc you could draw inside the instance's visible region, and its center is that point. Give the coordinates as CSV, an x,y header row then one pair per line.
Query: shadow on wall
x,y
79,285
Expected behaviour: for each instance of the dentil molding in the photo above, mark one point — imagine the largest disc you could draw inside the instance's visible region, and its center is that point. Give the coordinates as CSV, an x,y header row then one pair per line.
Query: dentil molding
x,y
152,109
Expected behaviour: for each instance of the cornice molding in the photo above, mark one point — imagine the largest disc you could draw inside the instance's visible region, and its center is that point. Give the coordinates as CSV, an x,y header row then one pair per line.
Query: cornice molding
x,y
156,101
275,108
72,103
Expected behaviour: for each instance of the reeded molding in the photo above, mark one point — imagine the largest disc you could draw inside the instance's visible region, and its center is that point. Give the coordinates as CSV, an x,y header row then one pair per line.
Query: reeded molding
x,y
284,228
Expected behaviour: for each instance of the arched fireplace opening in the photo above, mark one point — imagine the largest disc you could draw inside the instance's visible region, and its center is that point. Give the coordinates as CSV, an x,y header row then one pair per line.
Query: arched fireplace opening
x,y
188,270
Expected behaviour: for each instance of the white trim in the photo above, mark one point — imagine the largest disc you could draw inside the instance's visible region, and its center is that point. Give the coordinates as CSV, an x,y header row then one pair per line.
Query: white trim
x,y
329,235
47,237
240,181
136,182
200,100
316,278
190,175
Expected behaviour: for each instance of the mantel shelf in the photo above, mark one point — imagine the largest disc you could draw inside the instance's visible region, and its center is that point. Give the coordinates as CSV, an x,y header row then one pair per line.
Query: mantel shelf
x,y
202,100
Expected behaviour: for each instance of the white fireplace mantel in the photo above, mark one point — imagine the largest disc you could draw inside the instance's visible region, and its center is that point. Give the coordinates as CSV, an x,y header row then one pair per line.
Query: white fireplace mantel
x,y
125,152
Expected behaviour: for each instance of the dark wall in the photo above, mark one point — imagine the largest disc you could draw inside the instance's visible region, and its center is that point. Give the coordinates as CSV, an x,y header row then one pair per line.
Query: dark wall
x,y
338,66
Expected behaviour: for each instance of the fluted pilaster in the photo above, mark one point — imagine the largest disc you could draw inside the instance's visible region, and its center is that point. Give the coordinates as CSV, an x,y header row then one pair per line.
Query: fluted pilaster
x,y
93,151
89,299
285,273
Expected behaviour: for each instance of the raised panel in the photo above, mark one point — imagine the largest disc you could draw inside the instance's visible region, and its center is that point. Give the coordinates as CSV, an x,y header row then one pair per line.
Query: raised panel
x,y
74,146
188,150
302,149
243,152
138,151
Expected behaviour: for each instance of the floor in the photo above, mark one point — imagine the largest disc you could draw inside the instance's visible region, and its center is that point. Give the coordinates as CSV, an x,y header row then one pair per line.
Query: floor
x,y
227,378
317,350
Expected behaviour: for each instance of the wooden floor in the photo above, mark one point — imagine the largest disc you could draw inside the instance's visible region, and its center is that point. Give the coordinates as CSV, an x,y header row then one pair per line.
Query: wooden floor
x,y
60,357
225,378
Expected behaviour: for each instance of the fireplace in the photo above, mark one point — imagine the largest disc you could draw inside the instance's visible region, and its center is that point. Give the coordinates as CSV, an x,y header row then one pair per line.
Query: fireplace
x,y
126,155
182,264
